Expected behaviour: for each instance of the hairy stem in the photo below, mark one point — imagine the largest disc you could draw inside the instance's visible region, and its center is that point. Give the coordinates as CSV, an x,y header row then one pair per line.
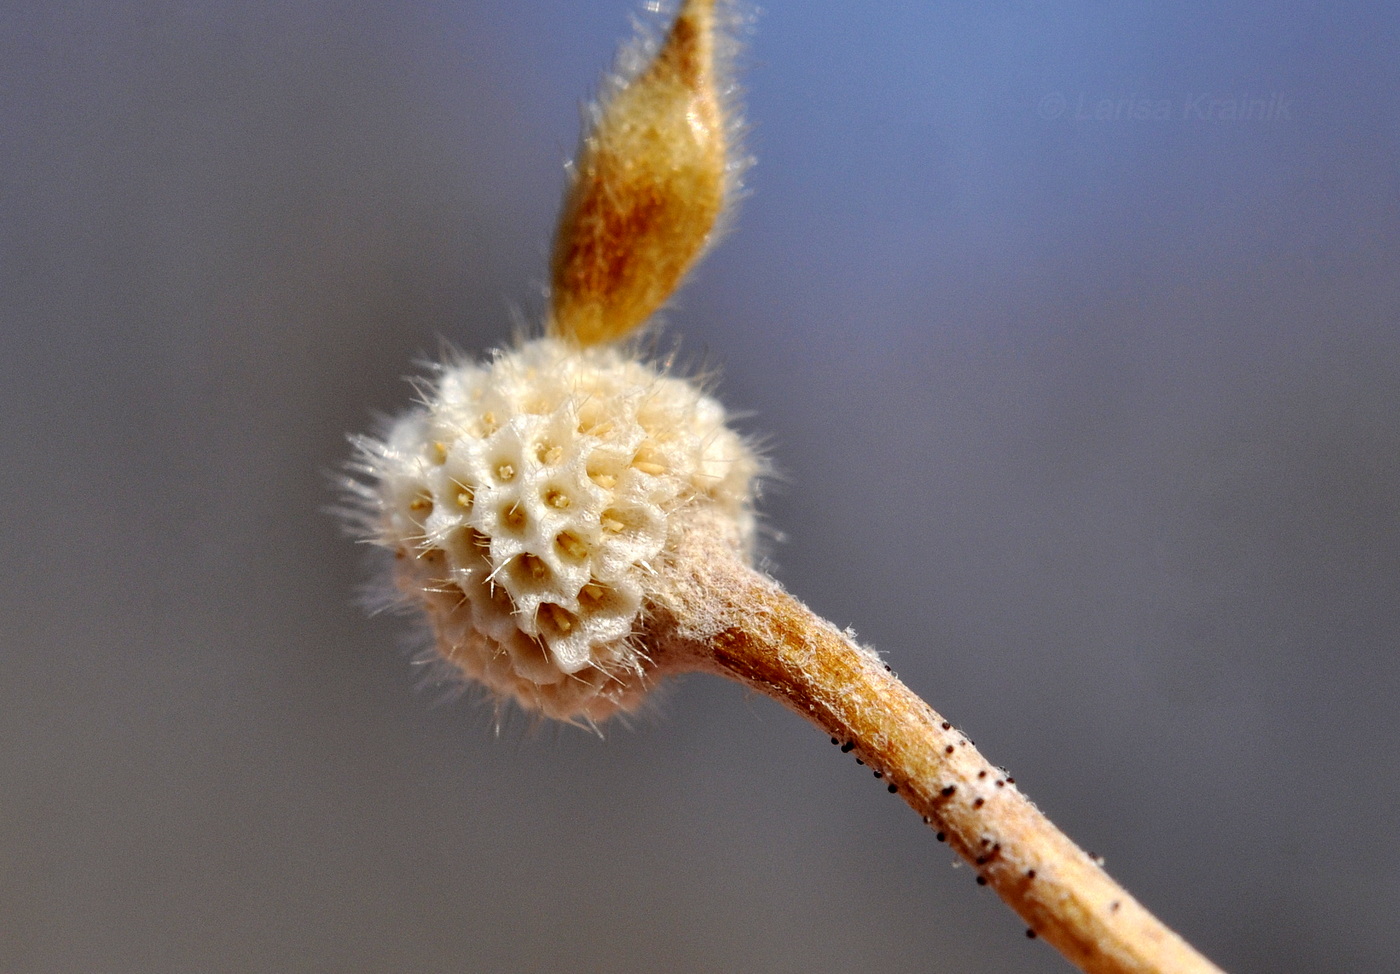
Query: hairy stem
x,y
723,617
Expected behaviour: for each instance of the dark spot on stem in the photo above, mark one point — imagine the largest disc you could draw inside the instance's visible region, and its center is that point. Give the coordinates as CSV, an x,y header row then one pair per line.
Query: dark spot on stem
x,y
981,774
848,747
879,774
948,749
947,726
978,803
941,837
893,789
981,880
1030,934
1030,874
948,791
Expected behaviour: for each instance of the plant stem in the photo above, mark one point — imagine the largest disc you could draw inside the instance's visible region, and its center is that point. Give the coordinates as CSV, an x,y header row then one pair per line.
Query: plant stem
x,y
723,617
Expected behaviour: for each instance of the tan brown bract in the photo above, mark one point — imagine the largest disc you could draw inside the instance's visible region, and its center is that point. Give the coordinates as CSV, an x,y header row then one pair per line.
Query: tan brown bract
x,y
650,182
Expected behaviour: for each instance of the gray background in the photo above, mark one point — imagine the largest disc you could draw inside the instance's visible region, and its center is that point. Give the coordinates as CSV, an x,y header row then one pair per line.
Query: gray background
x,y
1092,425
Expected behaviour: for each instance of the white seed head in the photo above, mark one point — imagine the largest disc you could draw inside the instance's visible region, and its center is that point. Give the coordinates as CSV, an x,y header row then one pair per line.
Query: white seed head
x,y
532,504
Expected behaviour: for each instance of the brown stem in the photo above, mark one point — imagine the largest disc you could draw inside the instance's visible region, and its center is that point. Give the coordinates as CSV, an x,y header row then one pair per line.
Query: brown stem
x,y
723,617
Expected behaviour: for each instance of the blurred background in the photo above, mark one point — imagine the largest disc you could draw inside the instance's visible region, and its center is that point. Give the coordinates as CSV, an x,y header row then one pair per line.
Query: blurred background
x,y
1074,330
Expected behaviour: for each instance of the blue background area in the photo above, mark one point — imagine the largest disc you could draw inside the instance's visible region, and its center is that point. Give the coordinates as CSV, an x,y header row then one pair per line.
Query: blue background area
x,y
1092,425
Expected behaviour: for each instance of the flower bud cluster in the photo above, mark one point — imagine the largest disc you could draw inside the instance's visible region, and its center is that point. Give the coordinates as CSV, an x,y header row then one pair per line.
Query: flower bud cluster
x,y
530,504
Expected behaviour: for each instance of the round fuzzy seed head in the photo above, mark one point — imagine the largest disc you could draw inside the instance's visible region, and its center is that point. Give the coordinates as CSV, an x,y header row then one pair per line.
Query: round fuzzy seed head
x,y
532,500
